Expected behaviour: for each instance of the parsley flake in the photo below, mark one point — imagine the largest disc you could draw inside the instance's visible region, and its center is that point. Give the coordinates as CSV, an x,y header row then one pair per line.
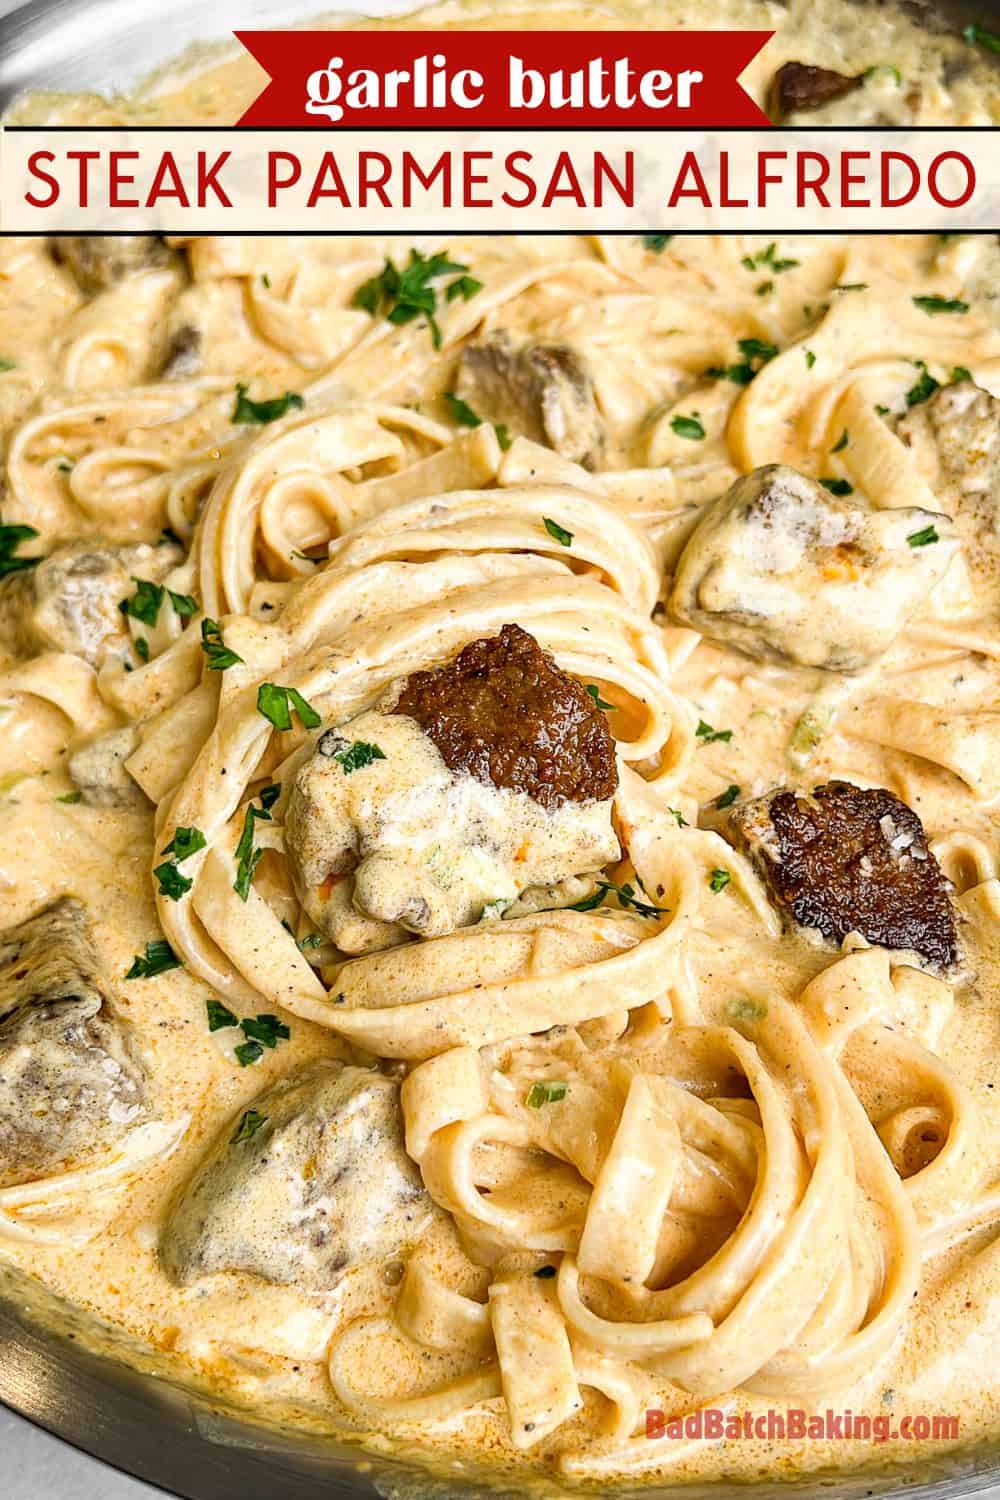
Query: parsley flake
x,y
219,656
185,842
144,604
656,242
547,1092
728,797
357,755
268,1030
935,304
276,704
173,884
841,442
247,1053
558,533
810,358
11,538
690,427
924,388
402,296
184,604
250,1122
70,797
247,411
837,486
462,411
158,959
718,880
628,899
710,736
925,538
595,693
978,36
219,1015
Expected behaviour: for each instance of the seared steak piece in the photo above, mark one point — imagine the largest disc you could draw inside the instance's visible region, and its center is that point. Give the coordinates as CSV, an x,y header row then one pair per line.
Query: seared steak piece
x,y
798,87
786,571
98,770
70,1084
848,859
539,391
504,712
308,1182
100,260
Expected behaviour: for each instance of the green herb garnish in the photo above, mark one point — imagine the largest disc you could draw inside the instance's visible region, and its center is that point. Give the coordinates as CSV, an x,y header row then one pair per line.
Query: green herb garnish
x,y
689,427
158,959
268,1030
980,37
247,1053
595,693
545,1093
545,1273
628,899
70,797
924,388
841,442
852,286
810,358
6,364
185,842
656,242
837,486
559,533
925,538
728,797
465,287
250,1122
769,258
219,656
935,304
219,1015
247,411
173,884
462,411
276,704
503,435
709,735
144,604
404,295
184,605
11,538
356,755
745,1009
718,880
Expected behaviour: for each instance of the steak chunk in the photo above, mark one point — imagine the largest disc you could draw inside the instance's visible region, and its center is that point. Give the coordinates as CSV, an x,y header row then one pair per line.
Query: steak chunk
x,y
798,87
70,1085
505,713
845,859
786,571
98,770
308,1183
98,261
540,391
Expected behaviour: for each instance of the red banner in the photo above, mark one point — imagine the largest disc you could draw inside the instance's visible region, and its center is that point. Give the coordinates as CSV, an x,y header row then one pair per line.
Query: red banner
x,y
489,80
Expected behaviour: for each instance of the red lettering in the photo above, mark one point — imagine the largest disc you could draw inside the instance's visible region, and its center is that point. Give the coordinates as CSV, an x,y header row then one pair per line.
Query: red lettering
x,y
36,171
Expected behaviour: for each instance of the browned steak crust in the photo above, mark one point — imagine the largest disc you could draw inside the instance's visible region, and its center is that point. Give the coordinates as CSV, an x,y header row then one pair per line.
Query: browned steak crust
x,y
846,859
797,87
505,713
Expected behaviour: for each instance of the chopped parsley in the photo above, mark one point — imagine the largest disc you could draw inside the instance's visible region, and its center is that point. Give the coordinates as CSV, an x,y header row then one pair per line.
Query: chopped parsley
x,y
173,884
353,755
837,486
935,304
595,693
141,648
220,658
311,940
70,797
810,358
980,37
402,296
889,68
591,902
559,533
852,286
690,427
681,820
276,704
247,1053
158,959
494,910
841,442
925,538
248,857
924,388
547,1092
958,374
656,242
718,880
462,411
728,797
464,287
184,604
752,350
765,289
770,259
6,364
219,1015
503,435
265,278
11,538
185,842
248,411
628,899
746,1009
709,735
144,604
250,1122
266,1029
